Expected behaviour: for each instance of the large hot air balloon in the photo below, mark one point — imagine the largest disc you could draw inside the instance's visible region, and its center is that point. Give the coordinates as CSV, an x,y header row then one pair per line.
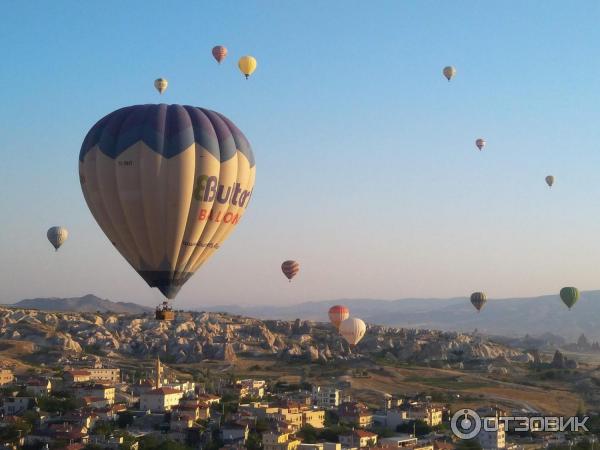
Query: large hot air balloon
x,y
480,143
353,330
290,269
449,72
550,180
247,65
167,184
57,236
161,85
478,299
569,296
337,314
219,53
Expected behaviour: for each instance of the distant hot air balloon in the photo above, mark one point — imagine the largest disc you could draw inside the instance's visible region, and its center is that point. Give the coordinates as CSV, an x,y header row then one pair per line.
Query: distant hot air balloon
x,y
161,85
480,143
478,299
167,184
353,330
449,72
219,53
337,314
247,65
290,269
550,180
57,236
569,296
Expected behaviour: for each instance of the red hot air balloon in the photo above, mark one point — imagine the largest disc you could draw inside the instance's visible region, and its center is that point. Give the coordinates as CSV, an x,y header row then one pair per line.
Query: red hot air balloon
x,y
337,314
219,53
290,269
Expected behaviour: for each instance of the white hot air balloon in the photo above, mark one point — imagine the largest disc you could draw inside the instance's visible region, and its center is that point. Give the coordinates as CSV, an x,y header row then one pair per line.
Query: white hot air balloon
x,y
480,143
57,236
353,330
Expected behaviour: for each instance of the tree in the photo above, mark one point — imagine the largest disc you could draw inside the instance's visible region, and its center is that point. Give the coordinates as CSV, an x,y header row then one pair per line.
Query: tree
x,y
468,444
419,427
308,434
125,419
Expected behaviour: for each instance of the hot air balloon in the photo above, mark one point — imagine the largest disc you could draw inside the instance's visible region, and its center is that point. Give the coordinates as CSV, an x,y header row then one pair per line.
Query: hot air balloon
x,y
57,236
550,180
290,269
353,330
449,72
480,143
219,53
337,314
569,296
167,184
478,299
161,85
247,65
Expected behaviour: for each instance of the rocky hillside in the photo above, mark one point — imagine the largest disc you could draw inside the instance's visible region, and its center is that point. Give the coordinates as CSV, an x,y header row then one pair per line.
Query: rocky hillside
x,y
198,336
87,303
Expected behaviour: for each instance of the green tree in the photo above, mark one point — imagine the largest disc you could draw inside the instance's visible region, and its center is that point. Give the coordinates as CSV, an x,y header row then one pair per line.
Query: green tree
x,y
124,419
468,444
308,434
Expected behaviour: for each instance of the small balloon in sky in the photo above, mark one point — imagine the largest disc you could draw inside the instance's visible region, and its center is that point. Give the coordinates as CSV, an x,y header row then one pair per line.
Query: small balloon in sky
x,y
480,143
161,85
449,72
290,269
550,180
219,53
247,65
57,236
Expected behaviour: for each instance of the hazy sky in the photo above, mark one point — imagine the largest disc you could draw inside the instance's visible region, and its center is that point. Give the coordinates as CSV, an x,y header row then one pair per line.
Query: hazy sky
x,y
367,172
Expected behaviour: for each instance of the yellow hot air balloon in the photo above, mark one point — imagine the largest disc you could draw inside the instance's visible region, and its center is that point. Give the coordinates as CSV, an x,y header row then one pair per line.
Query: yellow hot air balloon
x,y
353,330
161,85
57,236
449,72
167,184
247,65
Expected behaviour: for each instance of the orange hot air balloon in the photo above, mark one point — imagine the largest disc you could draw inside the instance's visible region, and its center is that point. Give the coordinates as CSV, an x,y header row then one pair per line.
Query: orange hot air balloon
x,y
290,269
219,53
337,314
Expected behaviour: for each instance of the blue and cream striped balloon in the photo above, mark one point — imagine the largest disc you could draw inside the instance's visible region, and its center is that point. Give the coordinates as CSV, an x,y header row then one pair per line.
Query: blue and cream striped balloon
x,y
167,184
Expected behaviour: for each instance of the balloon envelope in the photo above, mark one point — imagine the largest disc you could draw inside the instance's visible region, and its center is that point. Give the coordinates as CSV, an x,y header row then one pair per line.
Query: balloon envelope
x,y
478,299
247,65
290,269
57,236
353,330
480,143
219,53
167,184
569,296
449,72
161,85
337,314
550,180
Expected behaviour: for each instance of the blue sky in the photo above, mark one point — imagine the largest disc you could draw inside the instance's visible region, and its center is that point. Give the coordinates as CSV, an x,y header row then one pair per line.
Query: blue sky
x,y
367,172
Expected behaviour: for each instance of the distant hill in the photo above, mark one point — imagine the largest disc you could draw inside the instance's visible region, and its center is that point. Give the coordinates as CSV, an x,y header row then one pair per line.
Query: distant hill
x,y
508,317
87,303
